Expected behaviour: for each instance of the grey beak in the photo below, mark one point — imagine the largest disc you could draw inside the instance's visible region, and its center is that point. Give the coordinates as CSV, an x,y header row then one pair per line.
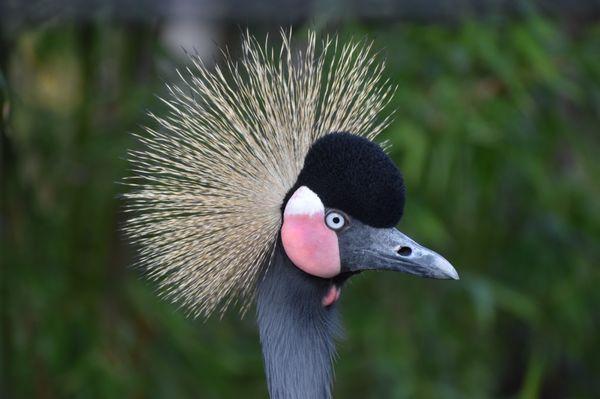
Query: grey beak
x,y
367,248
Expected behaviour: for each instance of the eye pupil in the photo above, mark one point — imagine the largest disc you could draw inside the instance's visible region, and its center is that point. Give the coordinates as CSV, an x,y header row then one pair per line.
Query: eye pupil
x,y
336,220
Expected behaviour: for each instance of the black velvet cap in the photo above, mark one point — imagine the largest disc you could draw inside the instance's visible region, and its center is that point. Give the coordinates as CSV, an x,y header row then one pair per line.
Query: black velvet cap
x,y
354,175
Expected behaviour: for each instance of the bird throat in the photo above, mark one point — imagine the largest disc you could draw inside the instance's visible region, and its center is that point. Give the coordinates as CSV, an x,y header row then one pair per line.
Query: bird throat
x,y
297,329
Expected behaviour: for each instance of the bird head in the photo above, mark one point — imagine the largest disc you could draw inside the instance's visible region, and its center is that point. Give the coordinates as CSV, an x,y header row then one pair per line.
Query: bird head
x,y
339,218
250,189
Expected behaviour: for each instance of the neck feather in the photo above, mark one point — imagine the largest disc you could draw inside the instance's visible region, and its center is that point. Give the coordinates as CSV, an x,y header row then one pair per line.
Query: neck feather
x,y
297,333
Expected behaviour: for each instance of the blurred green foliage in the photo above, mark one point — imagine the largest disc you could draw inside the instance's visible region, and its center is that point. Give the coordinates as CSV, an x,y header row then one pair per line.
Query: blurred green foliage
x,y
496,131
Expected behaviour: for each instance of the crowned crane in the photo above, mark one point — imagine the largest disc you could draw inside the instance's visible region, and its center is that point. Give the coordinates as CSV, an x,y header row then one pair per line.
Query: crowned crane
x,y
263,182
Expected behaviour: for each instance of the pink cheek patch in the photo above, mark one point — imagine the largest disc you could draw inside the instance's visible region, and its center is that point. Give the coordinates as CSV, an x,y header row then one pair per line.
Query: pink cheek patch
x,y
307,241
311,246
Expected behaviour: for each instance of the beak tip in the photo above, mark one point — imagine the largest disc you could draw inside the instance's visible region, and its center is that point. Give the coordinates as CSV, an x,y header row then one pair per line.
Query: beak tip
x,y
448,270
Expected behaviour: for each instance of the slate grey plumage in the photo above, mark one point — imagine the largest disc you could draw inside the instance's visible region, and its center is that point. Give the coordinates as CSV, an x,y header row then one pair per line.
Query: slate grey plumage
x,y
297,333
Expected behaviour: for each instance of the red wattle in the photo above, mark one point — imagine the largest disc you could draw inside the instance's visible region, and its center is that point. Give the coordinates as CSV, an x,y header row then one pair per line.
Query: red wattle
x,y
332,296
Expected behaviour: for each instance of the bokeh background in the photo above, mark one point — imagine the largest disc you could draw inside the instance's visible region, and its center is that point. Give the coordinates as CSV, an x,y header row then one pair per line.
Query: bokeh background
x,y
496,131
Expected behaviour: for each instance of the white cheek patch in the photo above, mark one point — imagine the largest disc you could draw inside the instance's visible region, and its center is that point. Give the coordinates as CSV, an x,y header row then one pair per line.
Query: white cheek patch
x,y
304,202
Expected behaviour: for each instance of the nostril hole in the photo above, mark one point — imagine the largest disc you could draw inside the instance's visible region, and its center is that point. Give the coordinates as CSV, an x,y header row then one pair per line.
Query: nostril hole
x,y
404,251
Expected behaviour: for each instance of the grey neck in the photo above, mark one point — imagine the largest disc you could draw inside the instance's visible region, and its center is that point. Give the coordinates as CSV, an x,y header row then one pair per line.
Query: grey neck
x,y
297,333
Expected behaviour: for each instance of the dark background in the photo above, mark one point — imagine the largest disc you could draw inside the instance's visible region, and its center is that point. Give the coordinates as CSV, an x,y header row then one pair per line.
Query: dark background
x,y
496,131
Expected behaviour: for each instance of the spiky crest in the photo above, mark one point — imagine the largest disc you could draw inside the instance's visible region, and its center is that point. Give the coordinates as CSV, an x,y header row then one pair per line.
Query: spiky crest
x,y
209,183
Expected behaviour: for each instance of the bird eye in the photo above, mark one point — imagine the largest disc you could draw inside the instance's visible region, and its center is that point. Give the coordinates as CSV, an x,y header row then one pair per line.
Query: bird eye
x,y
335,221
